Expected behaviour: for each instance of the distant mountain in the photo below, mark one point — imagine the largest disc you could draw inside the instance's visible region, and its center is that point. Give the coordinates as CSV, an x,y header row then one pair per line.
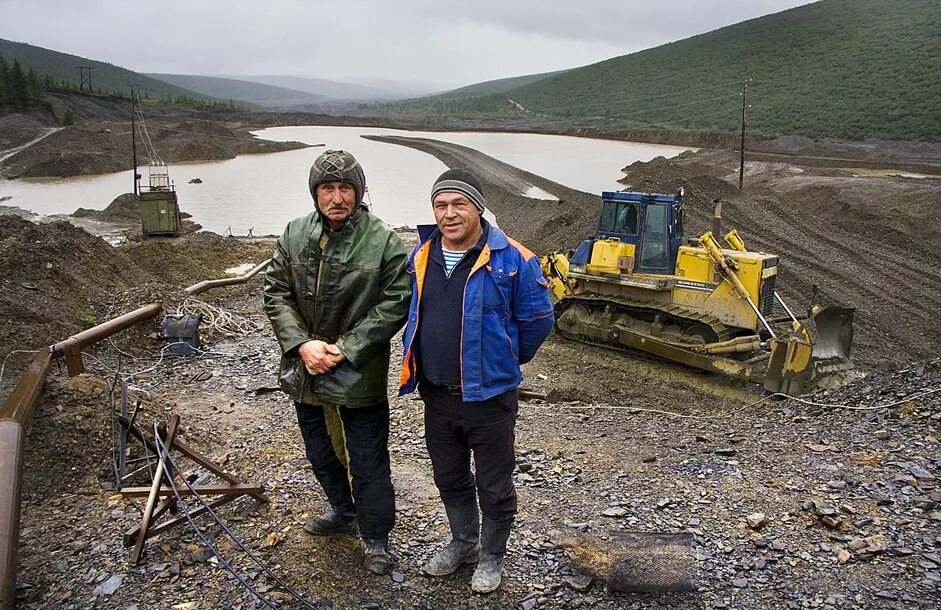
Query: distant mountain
x,y
402,89
843,68
105,77
334,90
500,85
265,96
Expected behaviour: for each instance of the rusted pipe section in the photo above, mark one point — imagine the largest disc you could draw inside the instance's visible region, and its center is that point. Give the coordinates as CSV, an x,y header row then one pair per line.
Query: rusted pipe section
x,y
17,411
72,347
228,281
11,439
15,416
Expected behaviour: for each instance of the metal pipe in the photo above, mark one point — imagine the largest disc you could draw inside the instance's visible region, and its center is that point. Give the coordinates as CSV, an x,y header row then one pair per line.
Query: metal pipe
x,y
15,416
758,358
106,329
735,341
11,456
735,348
784,305
228,281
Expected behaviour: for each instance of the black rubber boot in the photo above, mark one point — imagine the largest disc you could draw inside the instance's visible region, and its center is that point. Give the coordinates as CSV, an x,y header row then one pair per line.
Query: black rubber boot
x,y
489,572
334,521
378,558
464,547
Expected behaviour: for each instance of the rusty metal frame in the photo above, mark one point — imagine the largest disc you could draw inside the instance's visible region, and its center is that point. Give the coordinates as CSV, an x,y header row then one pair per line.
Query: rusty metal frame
x,y
16,414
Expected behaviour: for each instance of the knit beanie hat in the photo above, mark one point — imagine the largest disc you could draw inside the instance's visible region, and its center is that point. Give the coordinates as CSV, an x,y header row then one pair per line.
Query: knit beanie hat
x,y
461,181
337,166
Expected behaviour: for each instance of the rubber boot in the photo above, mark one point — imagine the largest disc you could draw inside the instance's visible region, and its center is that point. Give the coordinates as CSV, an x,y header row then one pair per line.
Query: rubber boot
x,y
489,572
464,546
378,558
334,521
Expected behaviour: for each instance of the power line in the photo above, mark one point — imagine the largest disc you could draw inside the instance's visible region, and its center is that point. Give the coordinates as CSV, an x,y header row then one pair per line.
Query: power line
x,y
84,76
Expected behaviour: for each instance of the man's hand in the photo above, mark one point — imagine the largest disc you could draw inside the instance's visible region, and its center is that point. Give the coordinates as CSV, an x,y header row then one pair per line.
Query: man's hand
x,y
320,357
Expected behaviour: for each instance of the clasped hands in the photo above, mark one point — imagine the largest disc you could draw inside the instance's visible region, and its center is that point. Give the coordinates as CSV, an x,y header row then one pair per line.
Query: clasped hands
x,y
319,356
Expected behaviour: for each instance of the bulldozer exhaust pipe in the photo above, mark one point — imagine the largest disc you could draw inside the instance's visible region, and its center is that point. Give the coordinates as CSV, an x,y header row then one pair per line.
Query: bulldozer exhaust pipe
x,y
717,216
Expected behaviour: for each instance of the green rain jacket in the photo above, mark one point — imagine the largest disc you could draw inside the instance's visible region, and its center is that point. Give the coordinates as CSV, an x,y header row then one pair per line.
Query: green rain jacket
x,y
355,294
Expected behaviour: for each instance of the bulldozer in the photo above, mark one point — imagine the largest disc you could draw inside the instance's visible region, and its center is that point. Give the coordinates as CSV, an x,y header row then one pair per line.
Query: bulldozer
x,y
636,285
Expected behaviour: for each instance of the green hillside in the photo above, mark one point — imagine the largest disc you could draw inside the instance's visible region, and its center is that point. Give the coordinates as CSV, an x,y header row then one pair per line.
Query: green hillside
x,y
241,90
842,68
500,85
106,78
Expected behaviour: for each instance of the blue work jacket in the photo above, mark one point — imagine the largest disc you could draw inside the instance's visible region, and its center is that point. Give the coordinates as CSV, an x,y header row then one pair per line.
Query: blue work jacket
x,y
506,306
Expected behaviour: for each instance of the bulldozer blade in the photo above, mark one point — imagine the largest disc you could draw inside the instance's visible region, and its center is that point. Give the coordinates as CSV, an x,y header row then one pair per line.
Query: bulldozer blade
x,y
790,367
831,330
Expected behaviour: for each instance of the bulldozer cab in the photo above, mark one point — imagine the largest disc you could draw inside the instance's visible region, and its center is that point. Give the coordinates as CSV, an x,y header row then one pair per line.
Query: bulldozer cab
x,y
653,223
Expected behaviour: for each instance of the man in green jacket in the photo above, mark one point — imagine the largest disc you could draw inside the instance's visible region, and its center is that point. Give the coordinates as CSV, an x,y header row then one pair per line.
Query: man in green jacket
x,y
336,292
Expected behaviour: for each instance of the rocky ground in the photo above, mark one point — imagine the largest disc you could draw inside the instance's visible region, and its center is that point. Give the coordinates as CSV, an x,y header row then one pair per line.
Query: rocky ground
x,y
828,502
105,147
790,504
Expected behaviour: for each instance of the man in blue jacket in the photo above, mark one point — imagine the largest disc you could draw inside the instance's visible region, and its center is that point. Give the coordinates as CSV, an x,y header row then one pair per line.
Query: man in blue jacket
x,y
480,307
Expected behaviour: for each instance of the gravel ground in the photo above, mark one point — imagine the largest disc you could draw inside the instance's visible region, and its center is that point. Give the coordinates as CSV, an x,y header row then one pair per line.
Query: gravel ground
x,y
790,504
843,504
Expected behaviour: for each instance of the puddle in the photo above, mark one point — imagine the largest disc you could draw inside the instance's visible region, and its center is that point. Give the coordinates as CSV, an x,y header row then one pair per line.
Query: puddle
x,y
534,192
240,269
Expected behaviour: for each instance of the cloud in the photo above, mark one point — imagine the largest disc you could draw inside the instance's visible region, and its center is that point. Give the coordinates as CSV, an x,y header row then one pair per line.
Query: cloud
x,y
432,40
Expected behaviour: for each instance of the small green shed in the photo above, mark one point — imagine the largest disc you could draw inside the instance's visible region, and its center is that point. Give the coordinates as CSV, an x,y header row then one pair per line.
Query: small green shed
x,y
159,210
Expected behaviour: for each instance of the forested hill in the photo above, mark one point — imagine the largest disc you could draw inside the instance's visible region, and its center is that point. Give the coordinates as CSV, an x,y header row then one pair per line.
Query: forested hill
x,y
105,78
495,86
843,68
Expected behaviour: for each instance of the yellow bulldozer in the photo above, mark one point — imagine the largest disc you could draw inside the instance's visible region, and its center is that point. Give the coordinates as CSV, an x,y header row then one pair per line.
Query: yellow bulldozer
x,y
635,285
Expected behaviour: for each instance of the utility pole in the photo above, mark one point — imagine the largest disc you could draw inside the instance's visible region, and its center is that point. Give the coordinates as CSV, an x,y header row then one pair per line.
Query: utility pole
x,y
84,77
741,163
134,139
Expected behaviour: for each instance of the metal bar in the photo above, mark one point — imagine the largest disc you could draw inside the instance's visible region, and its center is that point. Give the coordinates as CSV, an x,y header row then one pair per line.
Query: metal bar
x,y
17,411
138,433
122,445
106,329
154,490
784,305
212,490
208,464
207,284
130,536
157,529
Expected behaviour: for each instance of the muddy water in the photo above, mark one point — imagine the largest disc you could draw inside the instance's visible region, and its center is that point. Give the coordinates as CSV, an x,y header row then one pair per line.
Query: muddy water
x,y
263,192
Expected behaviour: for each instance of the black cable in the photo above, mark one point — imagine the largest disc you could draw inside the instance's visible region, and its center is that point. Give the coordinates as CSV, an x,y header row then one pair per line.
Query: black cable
x,y
161,447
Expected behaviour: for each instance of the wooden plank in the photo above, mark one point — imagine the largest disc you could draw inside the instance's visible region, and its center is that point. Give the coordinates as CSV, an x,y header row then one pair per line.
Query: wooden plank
x,y
210,465
203,490
130,536
153,492
193,514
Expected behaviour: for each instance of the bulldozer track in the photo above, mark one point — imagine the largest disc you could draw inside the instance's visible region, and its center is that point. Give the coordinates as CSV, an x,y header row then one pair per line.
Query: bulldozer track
x,y
677,313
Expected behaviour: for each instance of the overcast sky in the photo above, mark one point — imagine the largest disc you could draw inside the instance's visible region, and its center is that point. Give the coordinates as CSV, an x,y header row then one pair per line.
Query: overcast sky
x,y
441,41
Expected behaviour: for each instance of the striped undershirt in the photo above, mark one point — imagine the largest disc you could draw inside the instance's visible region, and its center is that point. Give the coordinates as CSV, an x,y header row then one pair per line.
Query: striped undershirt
x,y
451,259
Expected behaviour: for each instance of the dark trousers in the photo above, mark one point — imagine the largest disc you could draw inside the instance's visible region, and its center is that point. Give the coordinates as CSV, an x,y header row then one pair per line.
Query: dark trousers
x,y
367,486
455,429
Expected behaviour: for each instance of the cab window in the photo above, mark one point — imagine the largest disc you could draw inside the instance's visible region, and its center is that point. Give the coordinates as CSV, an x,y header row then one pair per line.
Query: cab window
x,y
618,217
